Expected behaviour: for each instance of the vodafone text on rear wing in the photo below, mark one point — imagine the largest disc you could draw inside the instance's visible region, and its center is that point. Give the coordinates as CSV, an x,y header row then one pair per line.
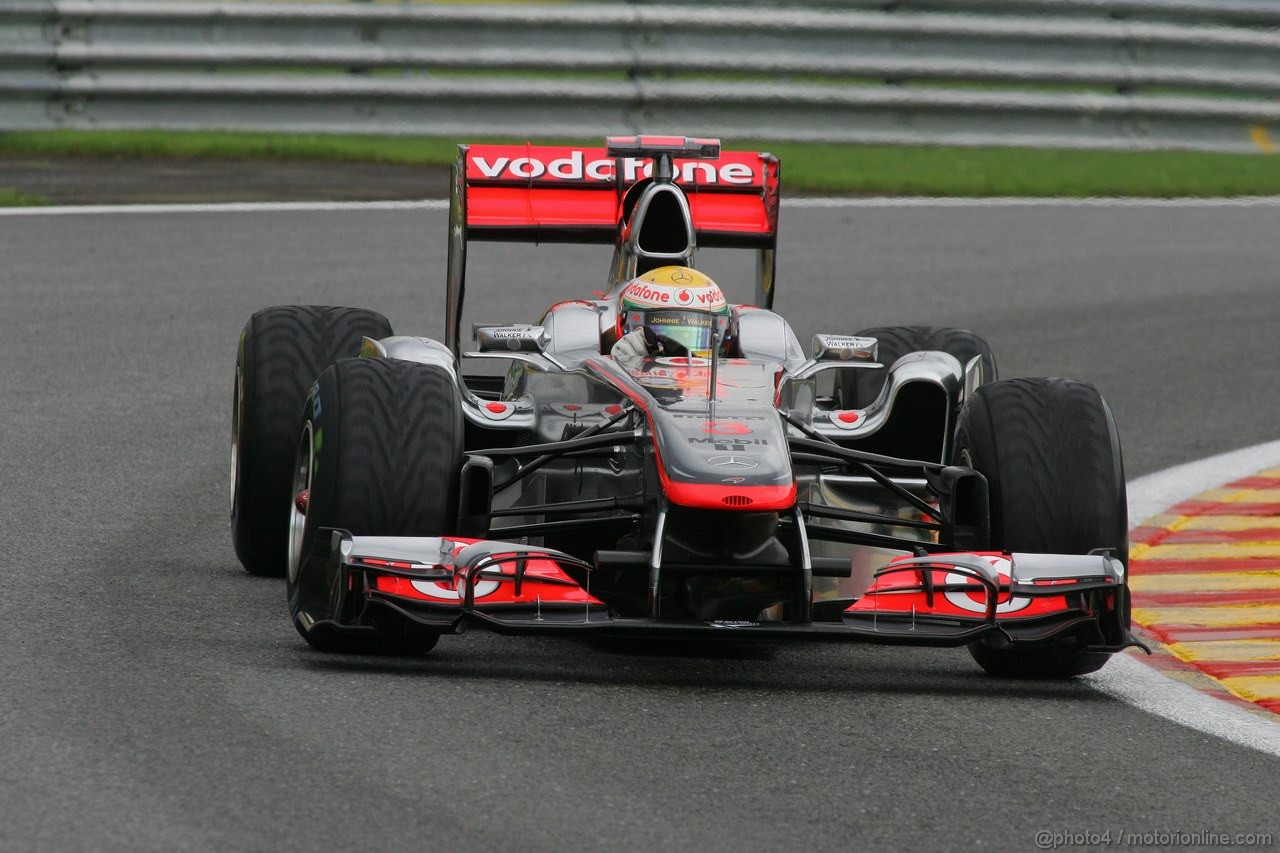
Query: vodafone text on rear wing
x,y
559,194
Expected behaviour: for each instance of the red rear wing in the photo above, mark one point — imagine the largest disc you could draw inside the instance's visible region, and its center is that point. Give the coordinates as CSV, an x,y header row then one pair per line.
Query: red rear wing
x,y
560,194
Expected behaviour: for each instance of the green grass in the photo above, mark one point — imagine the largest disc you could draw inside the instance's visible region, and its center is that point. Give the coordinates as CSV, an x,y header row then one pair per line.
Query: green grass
x,y
1024,171
14,198
257,145
807,168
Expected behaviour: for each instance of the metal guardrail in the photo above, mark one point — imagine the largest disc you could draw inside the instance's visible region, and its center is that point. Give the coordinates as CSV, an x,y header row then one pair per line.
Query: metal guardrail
x,y
1012,75
1201,12
1238,12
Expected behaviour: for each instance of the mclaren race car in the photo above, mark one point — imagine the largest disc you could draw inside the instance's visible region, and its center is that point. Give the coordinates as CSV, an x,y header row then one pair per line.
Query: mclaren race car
x,y
711,478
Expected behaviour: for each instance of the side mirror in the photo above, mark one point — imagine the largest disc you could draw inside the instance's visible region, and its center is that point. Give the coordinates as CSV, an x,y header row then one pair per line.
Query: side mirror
x,y
517,338
844,348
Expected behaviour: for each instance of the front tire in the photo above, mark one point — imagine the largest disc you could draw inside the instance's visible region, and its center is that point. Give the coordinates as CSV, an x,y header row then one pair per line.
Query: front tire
x,y
380,454
281,351
1051,456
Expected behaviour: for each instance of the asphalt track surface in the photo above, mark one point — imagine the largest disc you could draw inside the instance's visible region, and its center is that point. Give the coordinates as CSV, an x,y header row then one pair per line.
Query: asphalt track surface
x,y
154,696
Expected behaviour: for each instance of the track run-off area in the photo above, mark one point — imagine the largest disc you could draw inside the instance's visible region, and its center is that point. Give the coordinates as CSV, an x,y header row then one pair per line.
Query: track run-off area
x,y
154,697
1206,581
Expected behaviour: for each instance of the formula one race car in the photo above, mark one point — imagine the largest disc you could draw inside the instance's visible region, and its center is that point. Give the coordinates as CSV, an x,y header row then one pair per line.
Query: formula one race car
x,y
657,462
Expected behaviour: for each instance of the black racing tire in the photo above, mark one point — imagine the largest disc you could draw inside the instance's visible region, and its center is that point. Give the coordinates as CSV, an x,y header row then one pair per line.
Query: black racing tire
x,y
859,388
380,454
1051,455
281,352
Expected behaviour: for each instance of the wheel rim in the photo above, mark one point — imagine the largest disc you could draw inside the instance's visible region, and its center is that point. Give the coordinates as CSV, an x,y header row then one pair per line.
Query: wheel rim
x,y
301,482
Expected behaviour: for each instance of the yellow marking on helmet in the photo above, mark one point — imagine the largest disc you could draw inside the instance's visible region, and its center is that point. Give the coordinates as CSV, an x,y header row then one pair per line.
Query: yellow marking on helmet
x,y
677,277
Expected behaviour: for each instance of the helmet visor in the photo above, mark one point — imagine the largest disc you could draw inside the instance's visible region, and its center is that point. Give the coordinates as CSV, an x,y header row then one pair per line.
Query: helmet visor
x,y
691,329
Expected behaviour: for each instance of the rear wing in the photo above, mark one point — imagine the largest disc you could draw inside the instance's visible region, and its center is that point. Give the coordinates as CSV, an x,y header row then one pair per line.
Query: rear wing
x,y
560,194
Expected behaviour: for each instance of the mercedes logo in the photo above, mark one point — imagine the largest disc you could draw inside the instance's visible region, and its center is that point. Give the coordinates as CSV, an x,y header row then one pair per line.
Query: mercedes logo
x,y
740,463
681,277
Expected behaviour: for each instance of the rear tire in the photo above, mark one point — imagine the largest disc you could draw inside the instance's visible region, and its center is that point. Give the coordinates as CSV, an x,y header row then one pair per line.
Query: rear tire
x,y
1051,456
380,454
281,351
859,388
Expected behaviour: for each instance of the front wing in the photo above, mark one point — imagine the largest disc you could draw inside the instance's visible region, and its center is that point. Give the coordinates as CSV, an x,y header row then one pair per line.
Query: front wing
x,y
444,585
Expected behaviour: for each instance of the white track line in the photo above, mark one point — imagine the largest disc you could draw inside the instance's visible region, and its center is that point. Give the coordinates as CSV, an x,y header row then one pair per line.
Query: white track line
x,y
1154,493
1000,201
1125,677
817,203
229,207
1139,685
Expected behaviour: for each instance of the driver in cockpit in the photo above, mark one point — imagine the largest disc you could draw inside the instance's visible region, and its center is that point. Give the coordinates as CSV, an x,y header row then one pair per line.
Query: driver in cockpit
x,y
670,311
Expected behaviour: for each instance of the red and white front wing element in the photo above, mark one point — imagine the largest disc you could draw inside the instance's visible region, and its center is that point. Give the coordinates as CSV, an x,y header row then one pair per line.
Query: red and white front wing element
x,y
938,599
431,570
987,585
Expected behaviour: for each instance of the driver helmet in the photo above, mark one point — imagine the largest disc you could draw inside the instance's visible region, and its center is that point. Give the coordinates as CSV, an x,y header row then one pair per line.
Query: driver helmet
x,y
676,304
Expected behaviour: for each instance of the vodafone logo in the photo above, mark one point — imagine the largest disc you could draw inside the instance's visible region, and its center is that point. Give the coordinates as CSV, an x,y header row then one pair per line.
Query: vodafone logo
x,y
657,295
574,165
641,292
710,297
